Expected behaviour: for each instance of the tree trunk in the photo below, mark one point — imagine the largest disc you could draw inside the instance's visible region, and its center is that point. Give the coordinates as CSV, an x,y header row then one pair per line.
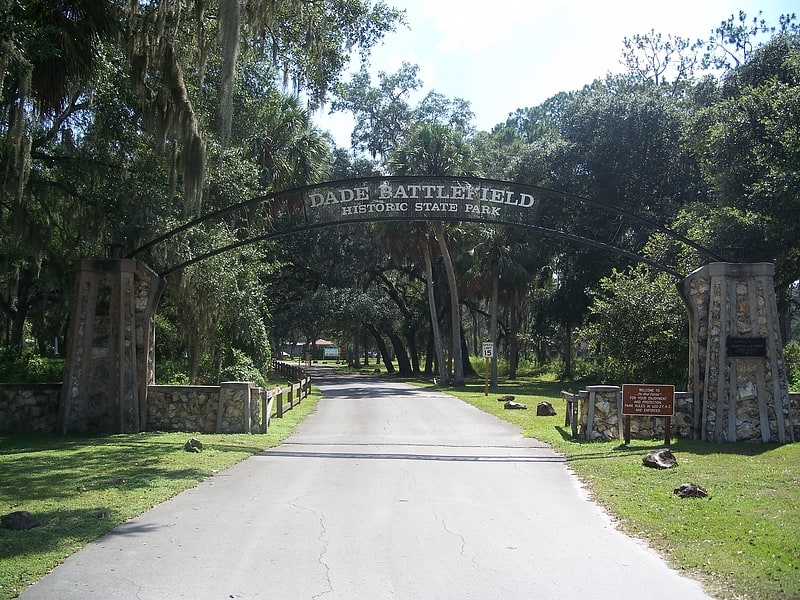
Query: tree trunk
x,y
567,350
469,371
408,328
403,364
194,361
437,340
384,351
413,353
430,353
493,323
16,308
455,307
513,331
356,352
476,343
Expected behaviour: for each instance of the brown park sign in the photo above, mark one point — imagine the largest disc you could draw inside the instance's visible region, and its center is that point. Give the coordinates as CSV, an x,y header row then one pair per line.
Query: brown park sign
x,y
648,400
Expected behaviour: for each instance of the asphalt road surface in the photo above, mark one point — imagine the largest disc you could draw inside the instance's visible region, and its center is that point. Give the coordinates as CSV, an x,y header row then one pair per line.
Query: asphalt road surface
x,y
385,492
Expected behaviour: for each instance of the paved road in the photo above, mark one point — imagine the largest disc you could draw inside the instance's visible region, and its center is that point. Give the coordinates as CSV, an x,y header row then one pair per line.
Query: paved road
x,y
385,492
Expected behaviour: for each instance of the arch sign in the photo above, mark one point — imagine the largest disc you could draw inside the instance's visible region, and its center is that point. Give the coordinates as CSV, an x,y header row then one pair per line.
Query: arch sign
x,y
737,375
422,200
460,199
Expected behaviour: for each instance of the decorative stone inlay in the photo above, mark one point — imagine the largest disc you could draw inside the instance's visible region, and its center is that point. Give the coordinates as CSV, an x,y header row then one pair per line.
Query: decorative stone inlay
x,y
738,397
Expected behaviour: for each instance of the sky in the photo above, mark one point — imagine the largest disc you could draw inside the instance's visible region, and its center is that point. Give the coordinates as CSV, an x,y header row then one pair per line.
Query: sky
x,y
502,55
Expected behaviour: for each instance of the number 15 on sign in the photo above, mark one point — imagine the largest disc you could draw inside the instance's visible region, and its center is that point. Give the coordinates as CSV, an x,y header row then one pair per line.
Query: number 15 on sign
x,y
488,352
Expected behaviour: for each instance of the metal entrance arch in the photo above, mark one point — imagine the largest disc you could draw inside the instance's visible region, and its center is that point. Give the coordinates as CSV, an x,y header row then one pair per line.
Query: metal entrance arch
x,y
456,199
736,363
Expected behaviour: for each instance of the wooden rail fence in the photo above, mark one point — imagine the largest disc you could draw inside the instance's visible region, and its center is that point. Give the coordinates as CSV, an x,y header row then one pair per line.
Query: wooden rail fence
x,y
284,398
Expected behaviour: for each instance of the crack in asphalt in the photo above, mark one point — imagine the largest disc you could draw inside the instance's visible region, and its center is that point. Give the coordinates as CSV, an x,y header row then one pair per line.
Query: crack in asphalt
x,y
456,535
324,543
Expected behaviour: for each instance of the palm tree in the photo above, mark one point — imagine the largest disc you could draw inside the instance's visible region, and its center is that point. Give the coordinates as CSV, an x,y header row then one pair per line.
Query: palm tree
x,y
288,149
49,47
49,52
437,150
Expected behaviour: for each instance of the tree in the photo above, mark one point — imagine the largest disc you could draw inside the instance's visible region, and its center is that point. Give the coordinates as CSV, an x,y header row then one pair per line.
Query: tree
x,y
310,42
747,144
637,327
444,372
111,112
626,139
383,113
51,50
49,54
436,150
652,57
486,250
735,40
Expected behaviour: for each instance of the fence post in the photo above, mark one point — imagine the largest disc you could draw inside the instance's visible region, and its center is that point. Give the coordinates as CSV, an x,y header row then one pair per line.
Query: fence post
x,y
295,392
279,396
266,409
247,399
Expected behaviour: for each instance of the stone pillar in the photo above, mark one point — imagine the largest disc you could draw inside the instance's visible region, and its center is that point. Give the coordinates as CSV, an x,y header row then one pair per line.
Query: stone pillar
x,y
736,370
110,349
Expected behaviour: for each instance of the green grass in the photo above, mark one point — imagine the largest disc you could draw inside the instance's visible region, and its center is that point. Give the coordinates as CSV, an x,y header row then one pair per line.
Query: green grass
x,y
742,542
80,487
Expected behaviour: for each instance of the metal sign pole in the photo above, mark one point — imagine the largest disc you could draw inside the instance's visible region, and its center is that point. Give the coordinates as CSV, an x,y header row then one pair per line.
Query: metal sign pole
x,y
488,352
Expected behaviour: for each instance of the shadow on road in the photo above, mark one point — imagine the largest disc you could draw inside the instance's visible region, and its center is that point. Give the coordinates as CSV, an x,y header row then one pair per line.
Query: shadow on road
x,y
408,456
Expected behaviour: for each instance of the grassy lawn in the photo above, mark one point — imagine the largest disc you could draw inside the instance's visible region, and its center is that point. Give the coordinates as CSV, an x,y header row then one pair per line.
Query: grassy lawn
x,y
742,542
80,487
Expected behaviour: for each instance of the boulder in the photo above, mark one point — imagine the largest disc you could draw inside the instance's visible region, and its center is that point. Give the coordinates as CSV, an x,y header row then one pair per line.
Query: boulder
x,y
690,490
545,409
193,445
505,399
511,405
660,459
19,520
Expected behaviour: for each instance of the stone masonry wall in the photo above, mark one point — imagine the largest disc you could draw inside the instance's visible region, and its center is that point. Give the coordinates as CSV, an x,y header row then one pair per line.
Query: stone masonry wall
x,y
30,408
110,347
232,407
35,408
182,408
605,412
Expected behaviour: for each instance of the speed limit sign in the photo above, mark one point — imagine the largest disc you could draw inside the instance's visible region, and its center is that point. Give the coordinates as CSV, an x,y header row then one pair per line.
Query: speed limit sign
x,y
488,349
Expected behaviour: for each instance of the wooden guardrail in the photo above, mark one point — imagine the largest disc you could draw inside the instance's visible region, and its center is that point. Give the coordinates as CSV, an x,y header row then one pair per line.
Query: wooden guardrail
x,y
571,411
284,398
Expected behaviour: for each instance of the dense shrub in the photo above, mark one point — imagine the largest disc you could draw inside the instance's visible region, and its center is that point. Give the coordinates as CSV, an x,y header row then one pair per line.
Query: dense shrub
x,y
172,371
791,353
29,367
637,329
242,368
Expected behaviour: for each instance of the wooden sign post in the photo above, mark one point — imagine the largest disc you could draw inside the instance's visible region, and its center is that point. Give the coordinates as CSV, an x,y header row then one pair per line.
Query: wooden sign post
x,y
648,400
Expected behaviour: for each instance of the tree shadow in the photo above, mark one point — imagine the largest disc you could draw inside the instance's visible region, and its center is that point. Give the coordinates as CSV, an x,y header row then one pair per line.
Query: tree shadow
x,y
683,445
65,529
48,467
